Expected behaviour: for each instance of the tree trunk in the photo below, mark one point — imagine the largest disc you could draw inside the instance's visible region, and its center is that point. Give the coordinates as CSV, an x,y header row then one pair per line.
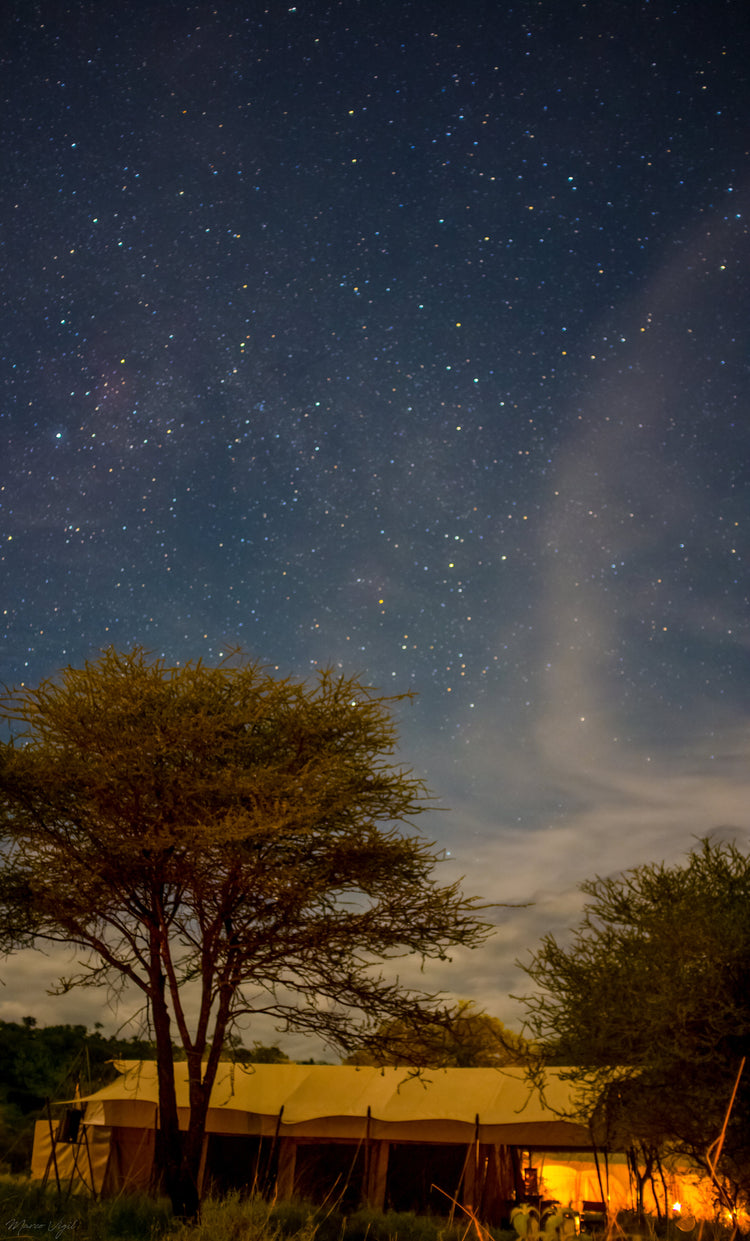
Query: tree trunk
x,y
201,1078
192,1152
176,1178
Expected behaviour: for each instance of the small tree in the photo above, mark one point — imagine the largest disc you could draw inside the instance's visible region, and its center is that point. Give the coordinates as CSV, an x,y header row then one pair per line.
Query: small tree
x,y
228,843
649,1003
463,1037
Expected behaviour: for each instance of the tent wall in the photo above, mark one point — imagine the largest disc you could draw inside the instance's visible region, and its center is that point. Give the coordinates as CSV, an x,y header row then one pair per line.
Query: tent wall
x,y
80,1166
397,1175
400,1176
570,1176
245,1163
131,1160
381,1136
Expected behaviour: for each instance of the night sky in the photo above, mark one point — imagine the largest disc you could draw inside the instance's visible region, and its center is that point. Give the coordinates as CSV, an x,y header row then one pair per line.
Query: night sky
x,y
410,338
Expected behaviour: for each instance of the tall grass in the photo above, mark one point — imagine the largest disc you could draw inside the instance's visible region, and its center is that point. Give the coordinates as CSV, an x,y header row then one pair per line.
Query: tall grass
x,y
240,1219
28,1210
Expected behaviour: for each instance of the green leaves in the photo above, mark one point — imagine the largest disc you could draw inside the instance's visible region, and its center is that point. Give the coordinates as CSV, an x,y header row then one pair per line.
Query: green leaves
x,y
649,1004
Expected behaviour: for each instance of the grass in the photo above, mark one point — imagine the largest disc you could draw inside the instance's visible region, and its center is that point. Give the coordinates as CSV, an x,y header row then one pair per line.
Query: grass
x,y
239,1219
28,1211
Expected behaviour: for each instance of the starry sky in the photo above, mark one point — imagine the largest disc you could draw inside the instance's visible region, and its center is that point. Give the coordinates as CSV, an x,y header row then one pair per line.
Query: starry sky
x,y
410,338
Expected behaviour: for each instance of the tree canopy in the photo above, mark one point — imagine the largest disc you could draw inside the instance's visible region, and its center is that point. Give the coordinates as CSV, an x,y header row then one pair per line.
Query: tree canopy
x,y
649,1001
464,1037
227,842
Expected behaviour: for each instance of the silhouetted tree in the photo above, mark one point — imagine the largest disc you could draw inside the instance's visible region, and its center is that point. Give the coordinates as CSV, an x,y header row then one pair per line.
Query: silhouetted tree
x,y
649,1001
227,842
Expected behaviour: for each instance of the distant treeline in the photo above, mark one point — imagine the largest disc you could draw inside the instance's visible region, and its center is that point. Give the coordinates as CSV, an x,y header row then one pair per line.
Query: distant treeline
x,y
40,1063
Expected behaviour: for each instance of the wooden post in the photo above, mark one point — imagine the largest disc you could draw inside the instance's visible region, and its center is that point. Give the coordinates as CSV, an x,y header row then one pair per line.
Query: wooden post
x,y
377,1174
469,1189
287,1162
265,1183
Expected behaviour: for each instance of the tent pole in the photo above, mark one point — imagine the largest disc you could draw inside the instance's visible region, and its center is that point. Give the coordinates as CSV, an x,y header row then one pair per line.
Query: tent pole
x,y
367,1150
91,1164
274,1142
599,1174
53,1155
75,1169
475,1190
468,1178
82,1140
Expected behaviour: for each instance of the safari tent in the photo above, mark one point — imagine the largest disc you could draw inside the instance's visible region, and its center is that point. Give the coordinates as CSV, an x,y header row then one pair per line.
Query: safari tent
x,y
390,1137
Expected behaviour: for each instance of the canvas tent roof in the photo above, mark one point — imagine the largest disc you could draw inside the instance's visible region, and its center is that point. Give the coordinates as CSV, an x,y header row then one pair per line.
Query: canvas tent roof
x,y
342,1101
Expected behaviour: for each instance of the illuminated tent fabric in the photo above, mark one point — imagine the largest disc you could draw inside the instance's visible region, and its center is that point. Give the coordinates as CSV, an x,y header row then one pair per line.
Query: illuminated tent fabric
x,y
572,1177
346,1102
81,1166
297,1108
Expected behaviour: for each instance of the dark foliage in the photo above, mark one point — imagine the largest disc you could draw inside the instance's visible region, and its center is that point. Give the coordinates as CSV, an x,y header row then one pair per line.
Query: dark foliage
x,y
38,1063
649,1001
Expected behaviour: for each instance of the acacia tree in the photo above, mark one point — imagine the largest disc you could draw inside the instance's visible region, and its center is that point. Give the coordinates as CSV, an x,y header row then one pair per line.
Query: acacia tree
x,y
228,843
649,1001
462,1037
